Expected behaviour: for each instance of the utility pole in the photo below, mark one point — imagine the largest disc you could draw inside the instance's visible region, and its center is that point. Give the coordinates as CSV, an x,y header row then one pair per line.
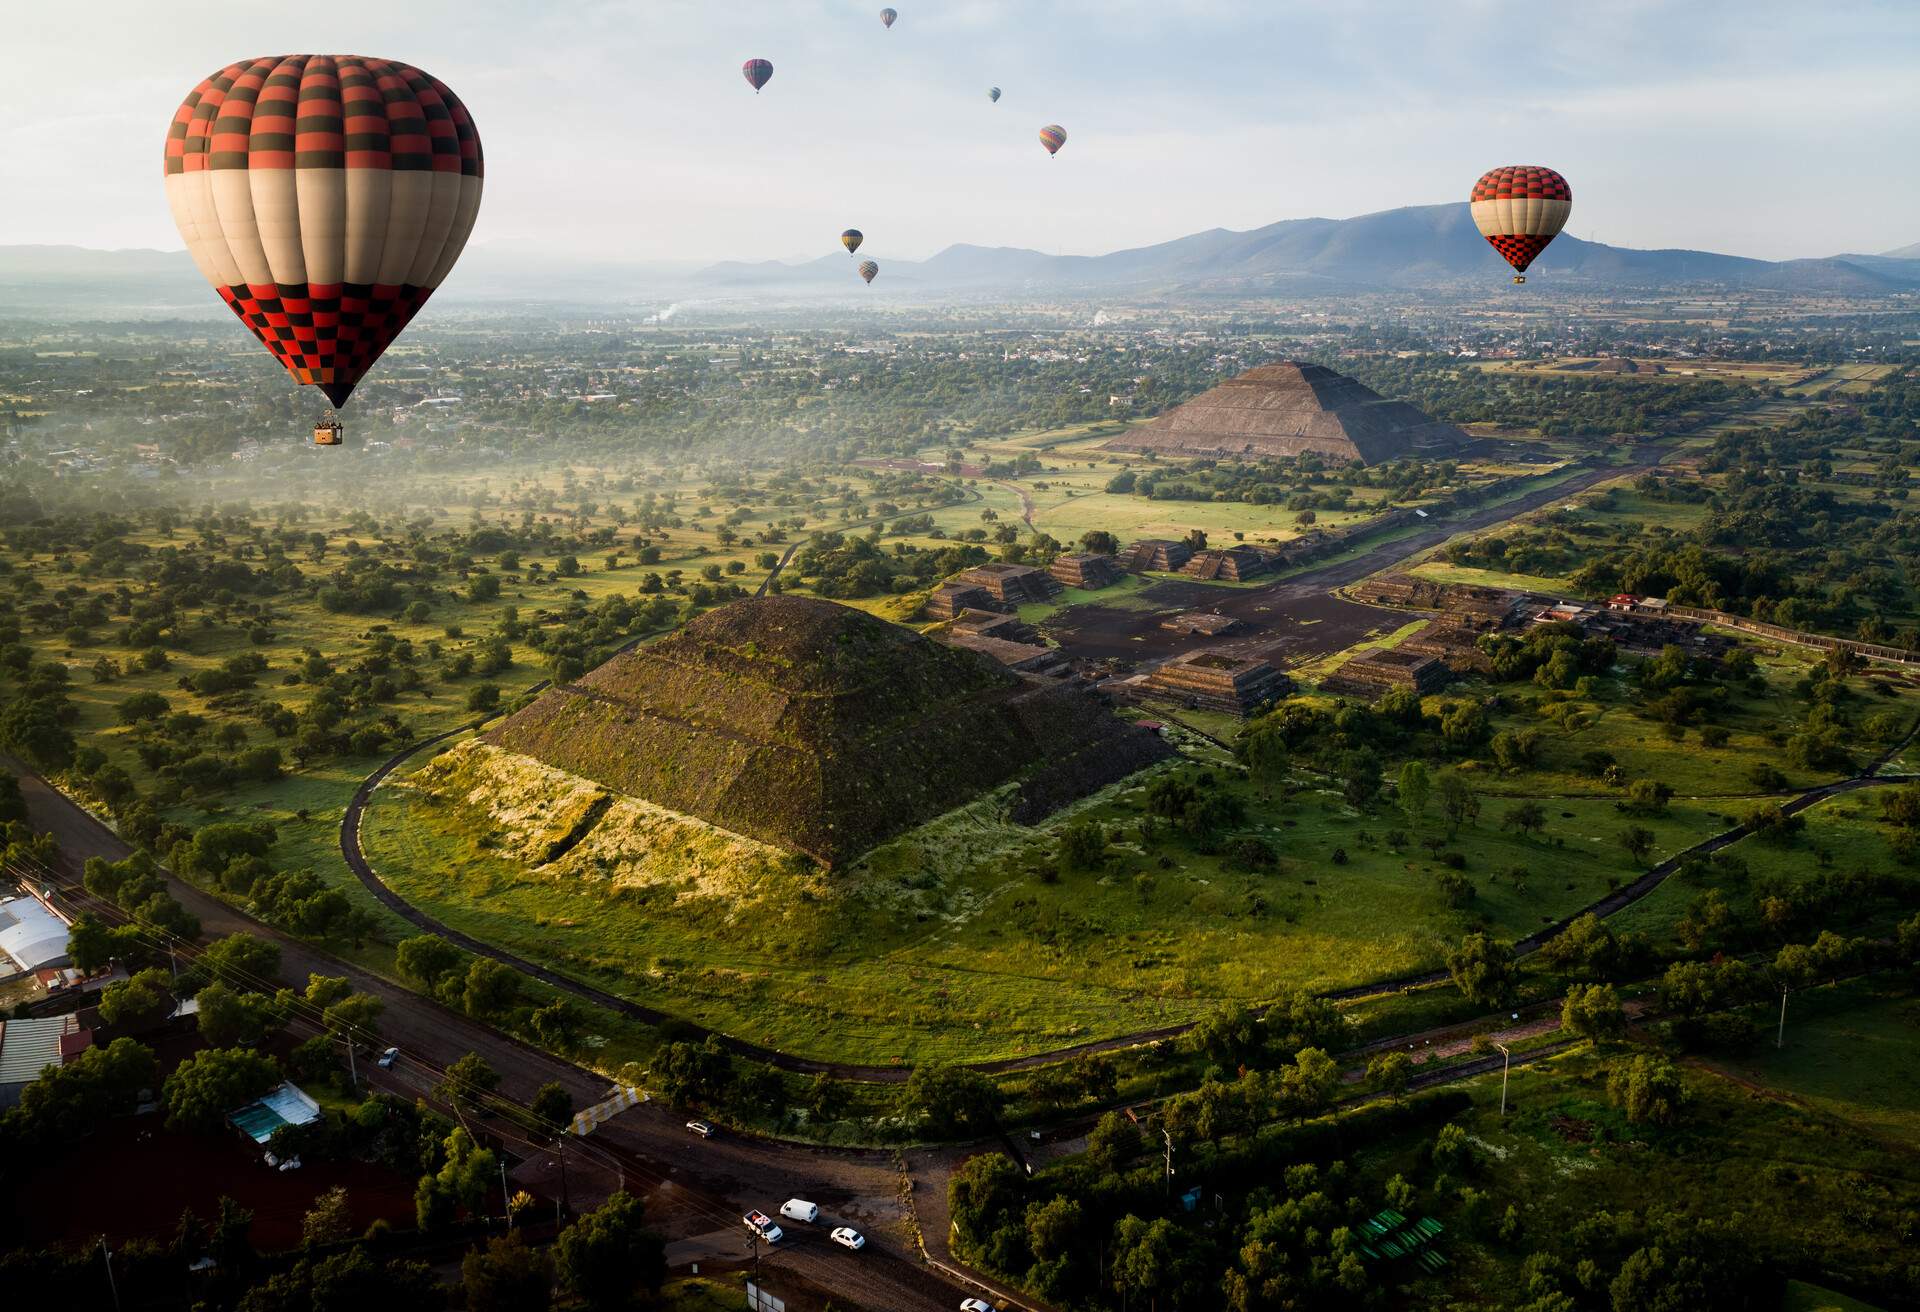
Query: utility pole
x,y
1780,1038
1506,1065
353,1067
1167,1135
106,1255
753,1243
506,1202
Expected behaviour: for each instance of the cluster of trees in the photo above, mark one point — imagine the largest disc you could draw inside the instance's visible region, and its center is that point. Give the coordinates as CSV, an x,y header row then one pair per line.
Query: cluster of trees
x,y
838,565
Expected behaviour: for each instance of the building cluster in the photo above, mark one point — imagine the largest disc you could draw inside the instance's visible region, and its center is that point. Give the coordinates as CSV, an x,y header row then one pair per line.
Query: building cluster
x,y
1214,681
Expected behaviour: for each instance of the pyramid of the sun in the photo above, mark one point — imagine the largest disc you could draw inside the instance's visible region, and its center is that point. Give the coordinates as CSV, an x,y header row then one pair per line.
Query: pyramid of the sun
x,y
1289,409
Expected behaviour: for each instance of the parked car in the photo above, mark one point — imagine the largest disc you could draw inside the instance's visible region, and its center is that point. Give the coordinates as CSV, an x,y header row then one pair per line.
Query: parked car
x,y
388,1058
847,1237
977,1305
701,1128
799,1209
762,1224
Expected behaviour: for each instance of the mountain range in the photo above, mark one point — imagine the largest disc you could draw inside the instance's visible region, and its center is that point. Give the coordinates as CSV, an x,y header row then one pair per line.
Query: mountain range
x,y
1416,247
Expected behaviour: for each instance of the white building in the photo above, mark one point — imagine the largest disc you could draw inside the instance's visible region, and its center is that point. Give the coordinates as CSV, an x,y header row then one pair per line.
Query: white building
x,y
32,937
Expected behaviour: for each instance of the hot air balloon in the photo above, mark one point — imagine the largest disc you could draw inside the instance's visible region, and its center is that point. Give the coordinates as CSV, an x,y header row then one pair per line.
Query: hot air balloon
x,y
868,269
851,239
325,197
758,73
887,16
1053,136
1519,208
993,94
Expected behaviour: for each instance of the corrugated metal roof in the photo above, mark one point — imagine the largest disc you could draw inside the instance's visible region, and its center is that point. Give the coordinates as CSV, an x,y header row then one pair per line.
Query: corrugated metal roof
x,y
29,1046
30,935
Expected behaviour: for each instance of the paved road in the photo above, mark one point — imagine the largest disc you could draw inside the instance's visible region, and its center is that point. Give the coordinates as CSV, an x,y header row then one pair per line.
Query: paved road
x,y
696,1189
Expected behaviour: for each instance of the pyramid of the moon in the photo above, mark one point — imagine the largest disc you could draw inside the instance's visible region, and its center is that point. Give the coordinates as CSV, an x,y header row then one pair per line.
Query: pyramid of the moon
x,y
1289,409
823,730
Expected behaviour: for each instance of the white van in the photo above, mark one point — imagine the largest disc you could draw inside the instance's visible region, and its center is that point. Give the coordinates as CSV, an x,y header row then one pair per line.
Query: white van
x,y
799,1209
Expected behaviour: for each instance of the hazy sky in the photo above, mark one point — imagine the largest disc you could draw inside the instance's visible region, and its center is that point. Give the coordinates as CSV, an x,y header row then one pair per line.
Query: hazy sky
x,y
623,127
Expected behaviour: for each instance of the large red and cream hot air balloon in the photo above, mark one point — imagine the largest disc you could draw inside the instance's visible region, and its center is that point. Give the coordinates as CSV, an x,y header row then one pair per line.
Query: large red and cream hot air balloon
x,y
325,197
1519,208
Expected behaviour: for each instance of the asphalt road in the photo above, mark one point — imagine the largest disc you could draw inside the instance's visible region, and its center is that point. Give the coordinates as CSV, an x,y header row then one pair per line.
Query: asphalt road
x,y
696,1189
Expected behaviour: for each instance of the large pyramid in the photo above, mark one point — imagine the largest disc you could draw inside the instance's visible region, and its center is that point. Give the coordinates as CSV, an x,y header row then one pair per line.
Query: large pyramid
x,y
821,729
1289,409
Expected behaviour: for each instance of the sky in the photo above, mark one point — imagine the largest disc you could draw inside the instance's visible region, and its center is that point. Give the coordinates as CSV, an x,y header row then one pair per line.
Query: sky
x,y
623,130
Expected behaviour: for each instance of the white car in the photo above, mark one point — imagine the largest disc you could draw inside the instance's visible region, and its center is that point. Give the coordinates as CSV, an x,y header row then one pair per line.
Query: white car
x,y
388,1058
762,1224
847,1237
977,1305
701,1128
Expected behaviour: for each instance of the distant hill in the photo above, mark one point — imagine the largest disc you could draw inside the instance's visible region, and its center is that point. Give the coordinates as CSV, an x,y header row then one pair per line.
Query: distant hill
x,y
1419,246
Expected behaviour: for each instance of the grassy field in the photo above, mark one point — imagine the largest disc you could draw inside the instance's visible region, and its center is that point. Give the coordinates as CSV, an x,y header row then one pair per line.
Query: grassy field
x,y
1796,1185
1852,1052
963,940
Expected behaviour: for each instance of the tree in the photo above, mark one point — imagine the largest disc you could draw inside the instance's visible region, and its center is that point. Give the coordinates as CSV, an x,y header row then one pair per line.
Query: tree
x,y
1145,1258
1482,970
601,1257
490,989
211,1083
1114,1142
694,1072
354,1017
1529,817
329,1220
1587,945
1390,1073
466,1080
1083,845
465,1173
484,697
1458,802
229,1019
1263,749
1414,789
427,959
954,1099
1638,842
138,1003
508,1275
552,1106
1100,542
1647,1088
1593,1011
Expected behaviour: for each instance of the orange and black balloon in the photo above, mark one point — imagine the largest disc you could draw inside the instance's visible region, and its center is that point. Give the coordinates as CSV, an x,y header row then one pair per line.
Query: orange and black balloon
x,y
851,239
1519,208
325,197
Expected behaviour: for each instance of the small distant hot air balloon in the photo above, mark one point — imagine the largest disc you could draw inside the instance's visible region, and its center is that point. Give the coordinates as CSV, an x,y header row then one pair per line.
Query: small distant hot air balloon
x,y
1519,208
993,94
888,15
325,197
757,72
868,269
1053,136
851,239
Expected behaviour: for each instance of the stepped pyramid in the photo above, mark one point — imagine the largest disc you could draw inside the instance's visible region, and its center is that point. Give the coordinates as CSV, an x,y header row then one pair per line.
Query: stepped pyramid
x,y
1289,409
822,729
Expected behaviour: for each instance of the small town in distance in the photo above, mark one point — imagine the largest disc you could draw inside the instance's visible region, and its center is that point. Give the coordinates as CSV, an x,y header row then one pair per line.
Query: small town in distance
x,y
926,658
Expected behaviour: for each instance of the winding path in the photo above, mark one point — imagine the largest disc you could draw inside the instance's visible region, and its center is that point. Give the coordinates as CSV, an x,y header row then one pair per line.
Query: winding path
x,y
1611,904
